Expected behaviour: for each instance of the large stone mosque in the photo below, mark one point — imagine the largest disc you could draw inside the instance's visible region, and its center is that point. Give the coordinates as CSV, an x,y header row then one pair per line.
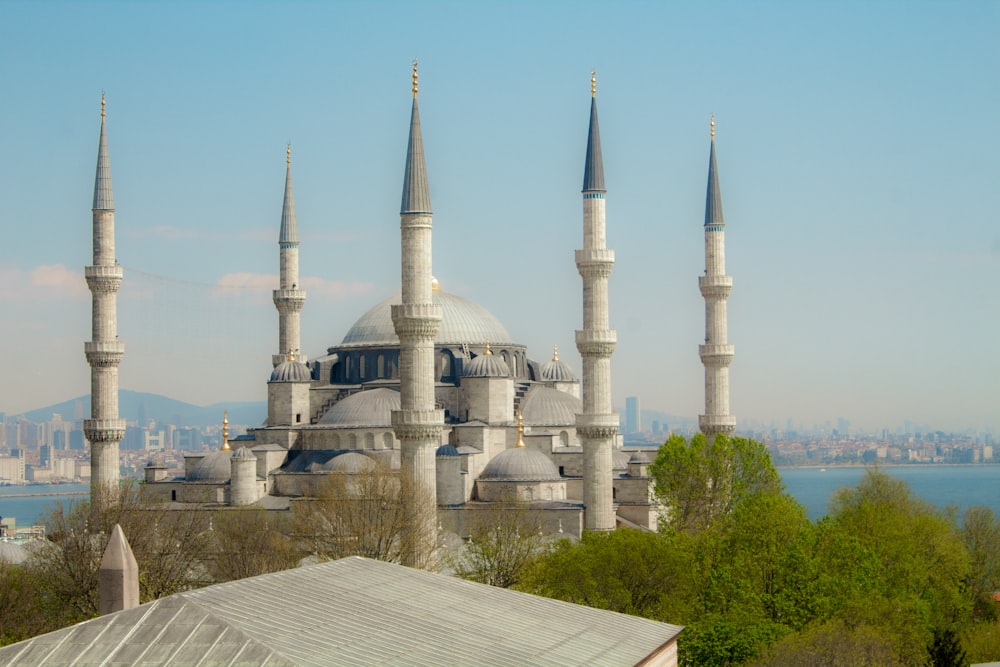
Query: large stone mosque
x,y
427,383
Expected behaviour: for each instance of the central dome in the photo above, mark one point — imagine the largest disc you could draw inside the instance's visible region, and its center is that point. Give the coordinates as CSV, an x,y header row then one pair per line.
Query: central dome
x,y
462,321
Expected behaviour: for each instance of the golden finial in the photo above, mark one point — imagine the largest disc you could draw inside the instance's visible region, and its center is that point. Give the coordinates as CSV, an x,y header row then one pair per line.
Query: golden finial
x,y
288,154
435,285
225,431
414,77
593,83
488,352
291,354
520,430
555,353
102,105
711,125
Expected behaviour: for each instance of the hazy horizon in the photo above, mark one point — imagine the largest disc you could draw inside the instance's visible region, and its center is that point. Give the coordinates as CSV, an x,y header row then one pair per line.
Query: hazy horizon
x,y
856,155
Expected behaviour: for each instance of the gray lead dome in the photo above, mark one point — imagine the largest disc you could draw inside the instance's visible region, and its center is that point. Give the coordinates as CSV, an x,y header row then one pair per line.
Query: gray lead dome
x,y
521,465
291,371
462,321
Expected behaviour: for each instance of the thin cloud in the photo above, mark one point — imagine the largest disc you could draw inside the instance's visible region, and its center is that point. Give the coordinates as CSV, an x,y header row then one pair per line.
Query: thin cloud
x,y
260,285
46,282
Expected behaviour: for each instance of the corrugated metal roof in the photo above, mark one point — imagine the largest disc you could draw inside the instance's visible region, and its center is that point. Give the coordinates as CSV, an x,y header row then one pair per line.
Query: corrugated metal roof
x,y
353,611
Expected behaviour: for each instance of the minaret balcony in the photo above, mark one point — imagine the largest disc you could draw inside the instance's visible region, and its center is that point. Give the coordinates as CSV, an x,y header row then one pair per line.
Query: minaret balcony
x,y
104,353
596,343
716,355
715,287
717,423
595,262
104,279
290,298
103,430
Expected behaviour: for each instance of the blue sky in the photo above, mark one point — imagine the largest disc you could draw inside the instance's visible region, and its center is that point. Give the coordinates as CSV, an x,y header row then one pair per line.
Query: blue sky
x,y
857,147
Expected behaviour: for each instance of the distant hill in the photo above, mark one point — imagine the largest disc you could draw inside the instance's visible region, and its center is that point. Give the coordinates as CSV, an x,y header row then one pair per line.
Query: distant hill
x,y
141,407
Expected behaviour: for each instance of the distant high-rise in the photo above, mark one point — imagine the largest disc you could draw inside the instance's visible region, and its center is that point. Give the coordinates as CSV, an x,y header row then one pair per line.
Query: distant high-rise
x,y
716,354
633,415
104,351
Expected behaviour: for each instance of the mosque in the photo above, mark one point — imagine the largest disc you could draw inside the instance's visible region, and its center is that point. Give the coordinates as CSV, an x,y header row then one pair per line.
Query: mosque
x,y
427,383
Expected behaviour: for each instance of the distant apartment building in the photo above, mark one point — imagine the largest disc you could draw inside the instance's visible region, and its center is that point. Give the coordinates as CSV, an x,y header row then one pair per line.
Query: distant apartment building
x,y
12,468
633,415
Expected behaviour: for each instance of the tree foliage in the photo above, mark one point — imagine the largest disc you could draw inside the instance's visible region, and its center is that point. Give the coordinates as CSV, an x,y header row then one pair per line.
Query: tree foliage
x,y
366,514
247,542
502,541
701,482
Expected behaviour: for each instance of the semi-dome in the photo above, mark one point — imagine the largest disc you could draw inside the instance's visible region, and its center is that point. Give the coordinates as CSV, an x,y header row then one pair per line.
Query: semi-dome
x,y
291,371
486,366
520,465
213,467
462,321
372,408
556,370
350,462
546,406
640,457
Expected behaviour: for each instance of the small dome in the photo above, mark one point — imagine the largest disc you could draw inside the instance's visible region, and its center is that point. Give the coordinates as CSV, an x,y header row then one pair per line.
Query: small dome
x,y
447,450
213,467
556,370
291,371
545,406
350,462
639,457
244,454
372,408
486,365
522,465
620,460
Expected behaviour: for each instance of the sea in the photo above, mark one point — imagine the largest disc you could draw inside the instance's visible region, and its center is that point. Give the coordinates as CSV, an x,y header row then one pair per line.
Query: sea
x,y
943,485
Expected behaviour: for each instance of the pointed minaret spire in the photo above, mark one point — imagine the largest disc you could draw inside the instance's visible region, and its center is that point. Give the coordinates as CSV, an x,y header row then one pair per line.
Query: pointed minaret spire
x,y
104,200
597,423
593,168
716,354
418,422
104,430
416,192
289,230
288,298
713,198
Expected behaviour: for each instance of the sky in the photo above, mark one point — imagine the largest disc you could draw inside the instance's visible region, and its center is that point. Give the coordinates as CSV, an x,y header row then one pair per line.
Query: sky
x,y
856,144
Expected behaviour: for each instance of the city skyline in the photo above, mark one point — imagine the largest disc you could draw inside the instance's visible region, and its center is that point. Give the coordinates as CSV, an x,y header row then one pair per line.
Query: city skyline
x,y
854,152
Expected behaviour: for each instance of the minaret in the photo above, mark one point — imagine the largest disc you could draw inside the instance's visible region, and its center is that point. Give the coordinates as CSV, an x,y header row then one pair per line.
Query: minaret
x,y
716,353
104,430
418,423
288,298
597,425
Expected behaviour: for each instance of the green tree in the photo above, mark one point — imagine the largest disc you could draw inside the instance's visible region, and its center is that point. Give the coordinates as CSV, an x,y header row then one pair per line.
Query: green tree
x,y
832,644
699,483
628,571
981,534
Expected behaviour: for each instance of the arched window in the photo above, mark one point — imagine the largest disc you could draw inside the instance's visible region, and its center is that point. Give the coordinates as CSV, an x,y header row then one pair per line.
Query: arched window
x,y
564,438
369,440
361,366
352,441
387,440
335,441
380,365
347,369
